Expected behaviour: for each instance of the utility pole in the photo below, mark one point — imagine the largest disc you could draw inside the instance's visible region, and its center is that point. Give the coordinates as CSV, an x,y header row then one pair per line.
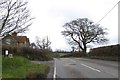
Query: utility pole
x,y
119,22
119,28
0,50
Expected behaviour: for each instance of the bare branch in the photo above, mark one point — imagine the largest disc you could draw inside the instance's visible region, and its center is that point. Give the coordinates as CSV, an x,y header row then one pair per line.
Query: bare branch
x,y
15,16
82,32
43,43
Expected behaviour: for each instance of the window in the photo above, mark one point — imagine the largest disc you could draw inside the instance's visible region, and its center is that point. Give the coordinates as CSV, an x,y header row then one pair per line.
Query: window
x,y
8,41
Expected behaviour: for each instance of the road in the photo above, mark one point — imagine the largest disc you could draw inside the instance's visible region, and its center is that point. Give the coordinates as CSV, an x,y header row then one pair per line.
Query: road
x,y
84,68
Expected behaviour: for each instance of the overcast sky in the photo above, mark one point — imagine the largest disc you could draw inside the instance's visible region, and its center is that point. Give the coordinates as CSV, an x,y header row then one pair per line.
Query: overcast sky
x,y
51,15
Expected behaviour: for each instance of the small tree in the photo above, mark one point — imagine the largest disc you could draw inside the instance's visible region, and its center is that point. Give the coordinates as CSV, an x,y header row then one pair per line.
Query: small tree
x,y
43,43
15,16
33,45
81,32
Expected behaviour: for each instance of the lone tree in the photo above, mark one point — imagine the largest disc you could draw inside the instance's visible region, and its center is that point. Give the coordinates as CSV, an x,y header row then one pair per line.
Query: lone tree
x,y
82,31
14,16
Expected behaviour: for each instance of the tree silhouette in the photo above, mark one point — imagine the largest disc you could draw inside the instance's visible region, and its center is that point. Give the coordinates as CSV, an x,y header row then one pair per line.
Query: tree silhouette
x,y
15,16
82,31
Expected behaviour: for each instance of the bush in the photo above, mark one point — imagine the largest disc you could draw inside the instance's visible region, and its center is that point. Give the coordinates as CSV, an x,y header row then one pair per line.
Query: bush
x,y
112,50
9,48
28,52
12,50
74,54
35,54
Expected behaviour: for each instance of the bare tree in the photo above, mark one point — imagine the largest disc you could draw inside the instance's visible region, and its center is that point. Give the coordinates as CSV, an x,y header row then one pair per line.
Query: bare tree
x,y
43,43
81,32
15,16
33,45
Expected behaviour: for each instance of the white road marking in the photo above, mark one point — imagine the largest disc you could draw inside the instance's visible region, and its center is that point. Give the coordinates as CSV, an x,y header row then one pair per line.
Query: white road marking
x,y
91,68
54,76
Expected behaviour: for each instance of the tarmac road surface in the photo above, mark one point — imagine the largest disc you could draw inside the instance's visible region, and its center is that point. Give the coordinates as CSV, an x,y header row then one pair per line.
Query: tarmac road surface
x,y
84,68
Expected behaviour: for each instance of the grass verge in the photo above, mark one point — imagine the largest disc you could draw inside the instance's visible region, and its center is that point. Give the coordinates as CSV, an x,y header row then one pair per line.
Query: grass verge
x,y
109,58
20,67
0,66
77,55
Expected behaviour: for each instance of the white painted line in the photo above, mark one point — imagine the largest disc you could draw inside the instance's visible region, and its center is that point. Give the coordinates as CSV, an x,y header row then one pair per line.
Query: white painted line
x,y
54,75
91,68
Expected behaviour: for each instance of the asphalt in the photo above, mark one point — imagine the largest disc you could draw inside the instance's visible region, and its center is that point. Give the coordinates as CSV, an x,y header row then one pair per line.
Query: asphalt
x,y
85,68
81,69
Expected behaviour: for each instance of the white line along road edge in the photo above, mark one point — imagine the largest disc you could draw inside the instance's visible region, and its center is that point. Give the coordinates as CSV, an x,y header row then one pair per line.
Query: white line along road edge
x,y
91,68
54,75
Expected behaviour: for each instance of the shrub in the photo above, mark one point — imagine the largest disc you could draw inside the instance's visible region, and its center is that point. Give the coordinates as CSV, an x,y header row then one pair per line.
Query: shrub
x,y
112,50
28,52
74,54
35,54
11,49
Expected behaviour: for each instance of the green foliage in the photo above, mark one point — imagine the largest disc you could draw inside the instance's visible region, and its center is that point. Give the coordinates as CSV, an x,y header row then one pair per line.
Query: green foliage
x,y
36,54
19,67
30,53
56,55
74,54
110,58
0,66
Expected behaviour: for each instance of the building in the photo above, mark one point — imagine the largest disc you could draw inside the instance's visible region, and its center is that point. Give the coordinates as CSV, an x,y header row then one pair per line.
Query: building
x,y
15,41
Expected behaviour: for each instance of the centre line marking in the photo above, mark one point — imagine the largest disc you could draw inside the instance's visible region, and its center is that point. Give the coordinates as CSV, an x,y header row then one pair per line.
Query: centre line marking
x,y
91,68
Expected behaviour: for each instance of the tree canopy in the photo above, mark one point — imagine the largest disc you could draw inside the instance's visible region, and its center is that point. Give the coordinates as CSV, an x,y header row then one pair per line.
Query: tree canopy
x,y
82,31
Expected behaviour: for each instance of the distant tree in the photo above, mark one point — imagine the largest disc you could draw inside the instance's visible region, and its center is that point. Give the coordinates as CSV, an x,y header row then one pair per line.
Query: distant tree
x,y
61,51
73,49
43,43
33,45
14,16
82,31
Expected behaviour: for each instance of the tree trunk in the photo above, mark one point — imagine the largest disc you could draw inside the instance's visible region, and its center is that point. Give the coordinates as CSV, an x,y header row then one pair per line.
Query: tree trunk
x,y
85,49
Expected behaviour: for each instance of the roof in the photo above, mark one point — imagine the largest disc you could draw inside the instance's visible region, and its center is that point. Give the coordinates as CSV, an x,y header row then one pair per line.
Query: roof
x,y
18,39
21,39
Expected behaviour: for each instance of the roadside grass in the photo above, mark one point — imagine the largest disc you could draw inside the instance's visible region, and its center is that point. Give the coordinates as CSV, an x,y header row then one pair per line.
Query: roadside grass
x,y
110,58
71,55
77,55
20,67
0,66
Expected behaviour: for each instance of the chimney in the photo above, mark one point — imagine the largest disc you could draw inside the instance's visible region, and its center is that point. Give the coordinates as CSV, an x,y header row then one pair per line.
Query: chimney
x,y
14,34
